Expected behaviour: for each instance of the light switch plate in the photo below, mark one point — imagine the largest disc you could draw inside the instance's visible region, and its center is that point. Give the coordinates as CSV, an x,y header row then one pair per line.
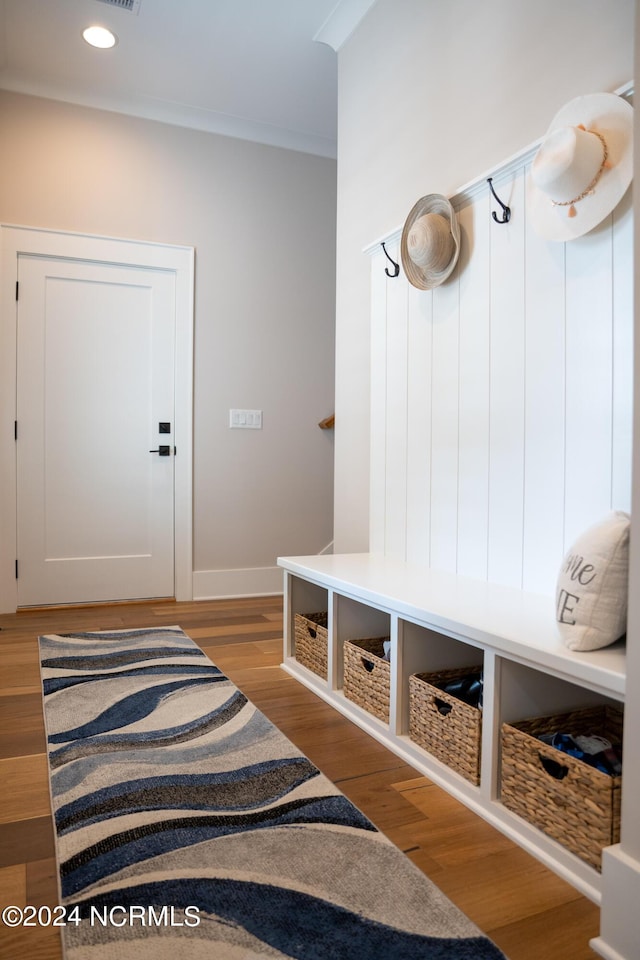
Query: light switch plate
x,y
245,419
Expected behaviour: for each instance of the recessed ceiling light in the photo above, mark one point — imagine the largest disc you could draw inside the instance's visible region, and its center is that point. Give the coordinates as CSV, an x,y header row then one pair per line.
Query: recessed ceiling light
x,y
100,37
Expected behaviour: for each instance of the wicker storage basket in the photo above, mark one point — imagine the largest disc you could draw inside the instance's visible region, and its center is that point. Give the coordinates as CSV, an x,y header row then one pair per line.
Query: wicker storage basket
x,y
563,796
367,676
311,638
444,725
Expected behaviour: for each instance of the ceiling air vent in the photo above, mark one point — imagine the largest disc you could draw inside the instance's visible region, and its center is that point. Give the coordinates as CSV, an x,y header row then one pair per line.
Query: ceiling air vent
x,y
133,6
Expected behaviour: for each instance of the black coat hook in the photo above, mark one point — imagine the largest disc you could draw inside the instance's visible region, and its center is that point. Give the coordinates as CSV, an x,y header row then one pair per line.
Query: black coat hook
x,y
396,266
506,214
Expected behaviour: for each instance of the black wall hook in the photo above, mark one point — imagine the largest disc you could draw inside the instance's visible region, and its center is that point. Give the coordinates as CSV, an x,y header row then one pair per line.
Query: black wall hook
x,y
506,211
396,266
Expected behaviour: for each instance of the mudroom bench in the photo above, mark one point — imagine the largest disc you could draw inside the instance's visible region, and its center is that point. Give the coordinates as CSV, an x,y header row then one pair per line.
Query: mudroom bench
x,y
438,621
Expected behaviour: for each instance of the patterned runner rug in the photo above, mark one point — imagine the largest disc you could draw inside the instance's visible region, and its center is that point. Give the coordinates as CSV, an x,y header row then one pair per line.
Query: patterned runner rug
x,y
188,825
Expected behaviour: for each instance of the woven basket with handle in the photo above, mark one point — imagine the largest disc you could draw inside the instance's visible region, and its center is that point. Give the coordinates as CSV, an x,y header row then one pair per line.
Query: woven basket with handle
x,y
571,801
367,675
442,724
311,638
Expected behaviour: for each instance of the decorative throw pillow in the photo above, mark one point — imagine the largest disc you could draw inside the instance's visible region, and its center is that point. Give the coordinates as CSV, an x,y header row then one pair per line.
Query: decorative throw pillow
x,y
592,591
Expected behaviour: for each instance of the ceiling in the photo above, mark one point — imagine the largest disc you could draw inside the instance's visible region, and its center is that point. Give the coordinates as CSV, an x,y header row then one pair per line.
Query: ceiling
x,y
262,70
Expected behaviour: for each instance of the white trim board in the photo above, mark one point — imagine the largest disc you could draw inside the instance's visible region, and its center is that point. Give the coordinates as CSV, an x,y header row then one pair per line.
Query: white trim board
x,y
16,240
244,582
478,186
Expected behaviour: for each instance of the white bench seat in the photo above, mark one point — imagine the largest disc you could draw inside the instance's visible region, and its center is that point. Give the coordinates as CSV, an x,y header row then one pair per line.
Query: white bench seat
x,y
437,621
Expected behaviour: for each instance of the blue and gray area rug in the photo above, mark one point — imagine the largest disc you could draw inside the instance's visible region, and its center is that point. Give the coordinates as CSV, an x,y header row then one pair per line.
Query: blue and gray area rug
x,y
188,825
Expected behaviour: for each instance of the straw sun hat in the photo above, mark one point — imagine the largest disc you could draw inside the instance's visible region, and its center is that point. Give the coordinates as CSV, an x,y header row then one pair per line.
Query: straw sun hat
x,y
583,167
430,242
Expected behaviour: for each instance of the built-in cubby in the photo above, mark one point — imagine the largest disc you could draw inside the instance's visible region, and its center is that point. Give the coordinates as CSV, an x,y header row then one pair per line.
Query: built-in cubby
x,y
353,620
525,691
305,597
438,622
422,650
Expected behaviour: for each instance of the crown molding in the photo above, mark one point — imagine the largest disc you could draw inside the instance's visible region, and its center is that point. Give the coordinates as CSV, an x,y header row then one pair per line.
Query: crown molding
x,y
342,21
181,115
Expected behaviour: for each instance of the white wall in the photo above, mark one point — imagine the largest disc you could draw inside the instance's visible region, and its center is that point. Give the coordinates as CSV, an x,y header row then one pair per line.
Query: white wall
x,y
430,96
262,221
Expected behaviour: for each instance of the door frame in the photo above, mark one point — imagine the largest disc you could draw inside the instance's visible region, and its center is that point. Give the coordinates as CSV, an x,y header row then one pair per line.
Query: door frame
x,y
16,240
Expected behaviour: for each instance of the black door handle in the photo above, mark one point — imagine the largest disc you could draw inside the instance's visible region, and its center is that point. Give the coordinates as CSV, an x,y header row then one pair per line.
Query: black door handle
x,y
164,450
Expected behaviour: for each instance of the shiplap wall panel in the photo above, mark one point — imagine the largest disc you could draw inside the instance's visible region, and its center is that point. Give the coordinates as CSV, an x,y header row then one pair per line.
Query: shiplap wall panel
x,y
378,402
419,377
622,354
396,416
589,383
444,426
506,370
473,436
544,493
502,400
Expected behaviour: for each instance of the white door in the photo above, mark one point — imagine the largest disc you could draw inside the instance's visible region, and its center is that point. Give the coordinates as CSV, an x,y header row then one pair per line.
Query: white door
x,y
95,395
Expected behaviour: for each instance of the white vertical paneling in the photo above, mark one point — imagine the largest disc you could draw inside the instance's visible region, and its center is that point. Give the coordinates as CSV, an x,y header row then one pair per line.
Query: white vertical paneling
x,y
506,443
622,354
473,438
544,411
501,401
419,425
444,425
396,415
378,454
589,359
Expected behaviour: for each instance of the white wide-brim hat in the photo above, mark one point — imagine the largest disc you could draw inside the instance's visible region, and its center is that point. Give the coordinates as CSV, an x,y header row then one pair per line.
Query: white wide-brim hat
x,y
583,167
430,242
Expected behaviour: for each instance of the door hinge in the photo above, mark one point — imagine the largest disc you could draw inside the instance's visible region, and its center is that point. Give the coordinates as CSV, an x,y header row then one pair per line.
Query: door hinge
x,y
16,569
17,287
15,429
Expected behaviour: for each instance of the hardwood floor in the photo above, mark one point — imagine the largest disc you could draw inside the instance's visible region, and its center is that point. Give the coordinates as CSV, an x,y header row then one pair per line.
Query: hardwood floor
x,y
527,910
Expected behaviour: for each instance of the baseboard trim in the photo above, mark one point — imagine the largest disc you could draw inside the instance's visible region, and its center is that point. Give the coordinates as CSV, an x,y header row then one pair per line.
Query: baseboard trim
x,y
246,582
604,950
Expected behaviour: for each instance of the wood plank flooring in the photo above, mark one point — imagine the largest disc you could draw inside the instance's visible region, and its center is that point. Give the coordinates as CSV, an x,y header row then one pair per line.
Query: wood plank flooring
x,y
527,910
